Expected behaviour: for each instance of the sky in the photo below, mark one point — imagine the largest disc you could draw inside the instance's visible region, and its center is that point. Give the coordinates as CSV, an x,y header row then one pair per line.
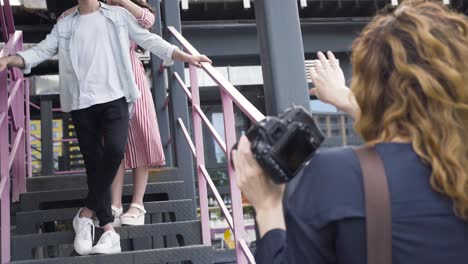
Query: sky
x,y
14,2
318,106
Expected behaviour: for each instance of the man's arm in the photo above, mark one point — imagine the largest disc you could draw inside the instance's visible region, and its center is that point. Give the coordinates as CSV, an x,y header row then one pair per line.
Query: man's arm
x,y
145,39
30,58
11,61
158,46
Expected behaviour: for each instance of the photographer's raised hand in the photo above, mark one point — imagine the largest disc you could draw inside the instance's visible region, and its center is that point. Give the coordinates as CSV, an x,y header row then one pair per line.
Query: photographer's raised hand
x,y
330,85
264,195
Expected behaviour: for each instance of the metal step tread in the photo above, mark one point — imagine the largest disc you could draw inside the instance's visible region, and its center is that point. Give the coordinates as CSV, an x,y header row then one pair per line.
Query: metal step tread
x,y
22,245
197,254
225,256
32,200
28,221
72,181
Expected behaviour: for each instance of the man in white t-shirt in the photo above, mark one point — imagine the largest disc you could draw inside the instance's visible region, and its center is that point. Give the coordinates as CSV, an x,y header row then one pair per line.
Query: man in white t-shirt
x,y
97,85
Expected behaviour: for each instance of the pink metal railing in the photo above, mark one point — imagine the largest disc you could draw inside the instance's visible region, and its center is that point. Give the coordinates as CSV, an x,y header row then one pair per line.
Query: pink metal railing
x,y
14,126
230,96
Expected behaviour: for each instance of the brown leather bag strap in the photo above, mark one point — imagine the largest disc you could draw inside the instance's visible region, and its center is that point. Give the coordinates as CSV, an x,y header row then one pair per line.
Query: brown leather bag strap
x,y
377,201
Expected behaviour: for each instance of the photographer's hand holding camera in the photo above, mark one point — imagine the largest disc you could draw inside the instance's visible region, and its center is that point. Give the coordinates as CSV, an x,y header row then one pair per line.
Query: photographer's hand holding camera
x,y
264,195
409,99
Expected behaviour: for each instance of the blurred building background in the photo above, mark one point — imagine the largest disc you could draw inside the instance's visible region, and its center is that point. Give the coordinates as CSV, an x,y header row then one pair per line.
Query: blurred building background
x,y
225,31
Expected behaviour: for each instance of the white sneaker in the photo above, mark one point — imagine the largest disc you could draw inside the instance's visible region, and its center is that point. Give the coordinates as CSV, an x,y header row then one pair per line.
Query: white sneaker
x,y
116,212
132,219
84,234
109,243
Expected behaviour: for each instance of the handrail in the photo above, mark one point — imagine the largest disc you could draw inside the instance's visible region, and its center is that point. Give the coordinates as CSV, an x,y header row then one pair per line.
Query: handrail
x,y
187,137
13,92
218,197
14,148
245,105
2,117
207,176
212,129
246,250
197,108
182,84
3,184
14,105
9,16
230,95
10,46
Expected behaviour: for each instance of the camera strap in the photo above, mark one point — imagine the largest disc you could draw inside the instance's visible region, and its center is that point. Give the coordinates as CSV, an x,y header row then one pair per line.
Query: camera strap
x,y
377,202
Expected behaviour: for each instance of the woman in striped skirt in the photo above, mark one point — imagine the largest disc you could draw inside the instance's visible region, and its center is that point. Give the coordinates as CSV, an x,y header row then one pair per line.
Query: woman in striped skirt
x,y
144,148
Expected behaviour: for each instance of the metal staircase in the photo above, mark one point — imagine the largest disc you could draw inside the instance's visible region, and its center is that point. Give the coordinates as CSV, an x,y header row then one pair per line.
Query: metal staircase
x,y
44,234
37,228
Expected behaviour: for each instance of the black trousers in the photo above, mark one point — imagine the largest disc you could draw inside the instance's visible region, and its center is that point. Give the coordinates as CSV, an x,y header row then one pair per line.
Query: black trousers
x,y
102,132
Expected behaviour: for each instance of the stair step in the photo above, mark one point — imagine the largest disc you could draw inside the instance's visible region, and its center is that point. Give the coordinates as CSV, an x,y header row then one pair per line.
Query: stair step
x,y
224,256
28,222
197,254
32,201
72,181
132,238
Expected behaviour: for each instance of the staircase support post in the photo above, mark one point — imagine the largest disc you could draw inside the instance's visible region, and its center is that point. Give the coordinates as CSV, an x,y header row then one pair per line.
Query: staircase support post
x,y
47,145
282,55
4,173
179,106
159,90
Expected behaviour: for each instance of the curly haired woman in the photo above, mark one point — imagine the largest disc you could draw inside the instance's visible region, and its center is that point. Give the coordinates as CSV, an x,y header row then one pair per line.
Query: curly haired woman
x,y
409,95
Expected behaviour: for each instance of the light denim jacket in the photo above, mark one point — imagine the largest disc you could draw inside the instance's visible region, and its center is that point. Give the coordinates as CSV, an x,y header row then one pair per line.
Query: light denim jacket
x,y
123,28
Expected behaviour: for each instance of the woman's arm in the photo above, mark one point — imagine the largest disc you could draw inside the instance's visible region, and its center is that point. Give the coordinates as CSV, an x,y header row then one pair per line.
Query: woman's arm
x,y
330,86
147,19
131,7
144,17
303,242
270,219
158,46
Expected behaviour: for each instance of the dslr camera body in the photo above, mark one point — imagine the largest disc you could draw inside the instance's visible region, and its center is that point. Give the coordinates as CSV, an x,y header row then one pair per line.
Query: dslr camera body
x,y
285,144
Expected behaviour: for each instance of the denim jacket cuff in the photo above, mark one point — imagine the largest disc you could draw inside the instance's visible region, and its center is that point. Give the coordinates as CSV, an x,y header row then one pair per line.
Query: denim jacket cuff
x,y
169,61
27,64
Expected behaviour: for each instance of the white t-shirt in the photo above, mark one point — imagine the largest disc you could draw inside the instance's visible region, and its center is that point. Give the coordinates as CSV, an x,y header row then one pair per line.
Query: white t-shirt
x,y
97,72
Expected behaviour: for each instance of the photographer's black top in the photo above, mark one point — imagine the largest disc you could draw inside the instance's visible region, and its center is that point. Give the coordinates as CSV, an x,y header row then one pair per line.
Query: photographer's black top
x,y
325,216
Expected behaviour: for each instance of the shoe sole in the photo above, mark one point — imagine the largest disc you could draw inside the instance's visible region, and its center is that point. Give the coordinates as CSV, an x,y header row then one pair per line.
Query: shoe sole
x,y
132,221
107,252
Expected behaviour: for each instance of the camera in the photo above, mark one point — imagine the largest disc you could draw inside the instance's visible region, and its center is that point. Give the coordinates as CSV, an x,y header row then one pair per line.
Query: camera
x,y
285,144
